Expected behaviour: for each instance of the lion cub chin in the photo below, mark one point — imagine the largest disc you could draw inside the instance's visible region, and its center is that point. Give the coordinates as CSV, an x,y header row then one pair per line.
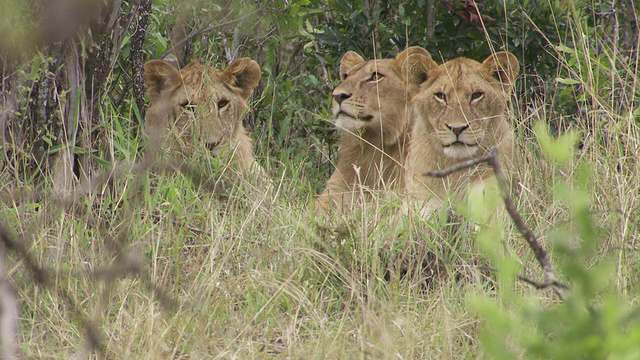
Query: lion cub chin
x,y
461,112
371,109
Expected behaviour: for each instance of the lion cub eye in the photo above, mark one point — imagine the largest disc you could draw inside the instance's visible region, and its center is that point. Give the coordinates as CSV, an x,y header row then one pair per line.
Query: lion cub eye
x,y
376,76
476,95
222,103
440,96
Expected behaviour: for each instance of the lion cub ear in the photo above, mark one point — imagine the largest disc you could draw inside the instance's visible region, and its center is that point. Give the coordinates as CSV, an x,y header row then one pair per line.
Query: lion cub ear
x,y
414,64
503,66
349,60
243,74
158,76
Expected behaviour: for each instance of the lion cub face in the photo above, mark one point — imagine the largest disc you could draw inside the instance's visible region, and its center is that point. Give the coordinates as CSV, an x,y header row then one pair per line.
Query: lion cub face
x,y
463,103
202,103
372,96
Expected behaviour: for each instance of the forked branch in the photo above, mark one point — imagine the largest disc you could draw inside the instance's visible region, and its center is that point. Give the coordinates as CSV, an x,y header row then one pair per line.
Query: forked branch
x,y
540,253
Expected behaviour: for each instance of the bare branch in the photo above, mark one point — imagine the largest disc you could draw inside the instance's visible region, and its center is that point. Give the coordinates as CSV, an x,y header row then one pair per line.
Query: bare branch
x,y
541,255
42,278
461,166
207,30
544,285
124,265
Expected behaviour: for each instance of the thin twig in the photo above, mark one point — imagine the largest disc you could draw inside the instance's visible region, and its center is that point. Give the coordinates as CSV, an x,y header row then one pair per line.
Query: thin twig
x,y
42,277
325,72
541,286
209,29
460,166
541,255
124,265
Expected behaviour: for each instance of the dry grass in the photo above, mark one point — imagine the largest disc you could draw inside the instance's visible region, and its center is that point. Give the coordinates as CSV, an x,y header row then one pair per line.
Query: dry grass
x,y
165,269
259,278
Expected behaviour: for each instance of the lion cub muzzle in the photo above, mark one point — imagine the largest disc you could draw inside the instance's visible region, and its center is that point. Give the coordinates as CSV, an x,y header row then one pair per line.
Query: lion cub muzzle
x,y
457,129
347,111
212,145
340,96
460,140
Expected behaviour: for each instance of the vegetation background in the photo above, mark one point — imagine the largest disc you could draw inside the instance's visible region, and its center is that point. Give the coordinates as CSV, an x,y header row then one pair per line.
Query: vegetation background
x,y
151,265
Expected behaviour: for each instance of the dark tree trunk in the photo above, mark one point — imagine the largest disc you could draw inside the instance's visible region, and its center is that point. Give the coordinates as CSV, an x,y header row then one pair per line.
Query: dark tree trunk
x,y
86,60
430,12
629,38
137,54
60,105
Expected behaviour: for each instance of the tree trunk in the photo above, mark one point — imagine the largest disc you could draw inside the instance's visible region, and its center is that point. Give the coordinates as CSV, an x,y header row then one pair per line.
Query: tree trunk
x,y
64,91
137,54
431,18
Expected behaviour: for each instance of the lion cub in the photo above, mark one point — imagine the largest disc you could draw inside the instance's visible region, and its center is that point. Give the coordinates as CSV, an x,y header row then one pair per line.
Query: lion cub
x,y
203,104
460,113
371,108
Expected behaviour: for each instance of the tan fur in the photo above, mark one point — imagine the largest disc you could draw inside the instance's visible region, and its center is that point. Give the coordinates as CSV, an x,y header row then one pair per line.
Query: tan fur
x,y
460,113
202,105
371,108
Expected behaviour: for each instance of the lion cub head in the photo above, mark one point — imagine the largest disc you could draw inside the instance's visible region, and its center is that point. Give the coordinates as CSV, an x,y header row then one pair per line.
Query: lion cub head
x,y
372,109
202,104
373,96
460,112
463,103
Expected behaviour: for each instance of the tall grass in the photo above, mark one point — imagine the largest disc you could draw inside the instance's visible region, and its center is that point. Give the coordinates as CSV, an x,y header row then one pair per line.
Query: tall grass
x,y
165,269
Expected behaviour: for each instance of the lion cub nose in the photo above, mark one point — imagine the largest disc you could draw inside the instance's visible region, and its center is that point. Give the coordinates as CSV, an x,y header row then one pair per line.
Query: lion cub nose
x,y
212,145
457,129
339,97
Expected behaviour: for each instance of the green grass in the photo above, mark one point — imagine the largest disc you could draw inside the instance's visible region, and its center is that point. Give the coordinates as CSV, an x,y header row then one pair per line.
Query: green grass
x,y
260,277
165,269
251,278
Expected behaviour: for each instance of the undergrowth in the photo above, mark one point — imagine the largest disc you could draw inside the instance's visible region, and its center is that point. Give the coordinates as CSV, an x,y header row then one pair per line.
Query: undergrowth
x,y
164,268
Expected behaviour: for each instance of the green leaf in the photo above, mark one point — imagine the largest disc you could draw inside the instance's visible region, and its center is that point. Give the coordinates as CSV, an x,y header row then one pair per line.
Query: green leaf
x,y
565,49
559,150
102,162
567,81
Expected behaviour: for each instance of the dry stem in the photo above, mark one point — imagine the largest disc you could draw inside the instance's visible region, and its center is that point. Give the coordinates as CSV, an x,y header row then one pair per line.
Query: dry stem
x,y
532,240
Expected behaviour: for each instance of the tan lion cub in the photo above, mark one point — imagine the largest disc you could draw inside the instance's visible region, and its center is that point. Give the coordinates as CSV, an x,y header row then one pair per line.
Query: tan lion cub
x,y
461,112
371,108
205,104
